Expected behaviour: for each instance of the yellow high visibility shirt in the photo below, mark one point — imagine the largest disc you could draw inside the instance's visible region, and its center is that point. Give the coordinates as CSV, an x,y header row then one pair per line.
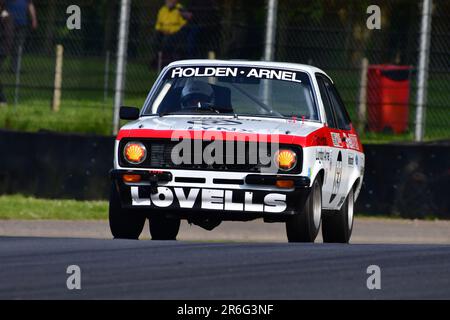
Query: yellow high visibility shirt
x,y
170,20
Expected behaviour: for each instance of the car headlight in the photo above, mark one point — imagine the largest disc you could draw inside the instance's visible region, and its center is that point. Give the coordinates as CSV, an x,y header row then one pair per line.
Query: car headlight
x,y
286,159
135,152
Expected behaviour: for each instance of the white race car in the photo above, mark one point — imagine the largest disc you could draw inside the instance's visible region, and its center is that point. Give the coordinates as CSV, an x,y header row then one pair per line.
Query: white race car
x,y
226,140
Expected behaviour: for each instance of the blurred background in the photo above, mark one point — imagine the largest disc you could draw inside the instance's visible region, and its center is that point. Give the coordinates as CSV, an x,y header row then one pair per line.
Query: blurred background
x,y
330,34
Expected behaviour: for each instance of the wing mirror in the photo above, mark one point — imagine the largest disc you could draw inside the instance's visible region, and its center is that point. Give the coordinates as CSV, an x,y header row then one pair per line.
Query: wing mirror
x,y
129,113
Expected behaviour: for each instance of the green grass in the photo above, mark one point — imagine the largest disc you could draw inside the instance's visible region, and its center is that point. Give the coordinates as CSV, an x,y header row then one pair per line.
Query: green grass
x,y
71,118
84,108
19,207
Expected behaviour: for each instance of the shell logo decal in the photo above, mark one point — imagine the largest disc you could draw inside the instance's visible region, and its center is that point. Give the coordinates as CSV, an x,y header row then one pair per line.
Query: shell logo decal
x,y
135,152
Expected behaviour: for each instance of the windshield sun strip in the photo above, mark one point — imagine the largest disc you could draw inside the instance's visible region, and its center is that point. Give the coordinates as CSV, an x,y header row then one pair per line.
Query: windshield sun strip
x,y
162,76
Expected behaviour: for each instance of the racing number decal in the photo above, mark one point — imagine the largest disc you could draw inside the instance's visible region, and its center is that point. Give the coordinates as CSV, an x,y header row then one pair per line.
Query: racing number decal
x,y
337,177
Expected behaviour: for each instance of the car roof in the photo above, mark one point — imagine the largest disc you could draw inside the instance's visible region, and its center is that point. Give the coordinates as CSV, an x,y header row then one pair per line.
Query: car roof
x,y
245,63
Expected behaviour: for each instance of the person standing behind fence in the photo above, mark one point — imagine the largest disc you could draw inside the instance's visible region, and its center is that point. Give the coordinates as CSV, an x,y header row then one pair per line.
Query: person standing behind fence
x,y
171,30
21,12
200,33
5,43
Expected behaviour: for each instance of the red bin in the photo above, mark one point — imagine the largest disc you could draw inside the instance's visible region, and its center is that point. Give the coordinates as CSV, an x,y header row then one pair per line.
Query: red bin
x,y
388,90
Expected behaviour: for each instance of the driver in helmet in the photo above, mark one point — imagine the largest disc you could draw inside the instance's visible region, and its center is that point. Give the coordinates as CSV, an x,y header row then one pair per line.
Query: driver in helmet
x,y
197,94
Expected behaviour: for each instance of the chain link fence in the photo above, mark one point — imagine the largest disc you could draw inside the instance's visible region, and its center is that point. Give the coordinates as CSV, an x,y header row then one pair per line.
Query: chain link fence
x,y
329,34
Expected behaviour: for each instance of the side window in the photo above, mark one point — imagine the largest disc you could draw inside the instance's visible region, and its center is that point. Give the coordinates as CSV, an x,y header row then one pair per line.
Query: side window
x,y
342,118
326,102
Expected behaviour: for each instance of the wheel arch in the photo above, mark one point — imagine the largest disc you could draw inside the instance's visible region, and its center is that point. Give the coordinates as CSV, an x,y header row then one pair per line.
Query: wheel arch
x,y
321,175
357,187
317,171
354,183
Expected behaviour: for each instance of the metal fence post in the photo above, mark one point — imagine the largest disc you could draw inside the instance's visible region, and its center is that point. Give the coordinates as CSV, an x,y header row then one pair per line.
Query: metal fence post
x,y
106,76
56,103
18,72
362,103
271,30
269,50
122,46
422,75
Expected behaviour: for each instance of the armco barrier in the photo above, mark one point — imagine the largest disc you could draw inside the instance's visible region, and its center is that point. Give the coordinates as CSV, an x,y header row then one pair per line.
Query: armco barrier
x,y
409,180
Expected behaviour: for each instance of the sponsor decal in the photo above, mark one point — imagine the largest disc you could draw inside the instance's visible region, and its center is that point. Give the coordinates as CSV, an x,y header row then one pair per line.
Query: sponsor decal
x,y
323,155
351,160
336,138
221,129
352,142
235,72
209,199
320,154
220,125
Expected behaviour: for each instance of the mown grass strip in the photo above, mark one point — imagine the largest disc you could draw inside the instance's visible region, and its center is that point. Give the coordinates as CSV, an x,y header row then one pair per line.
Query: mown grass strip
x,y
19,207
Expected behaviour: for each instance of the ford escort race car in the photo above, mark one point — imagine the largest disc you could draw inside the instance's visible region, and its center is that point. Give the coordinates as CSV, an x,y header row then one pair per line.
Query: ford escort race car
x,y
236,141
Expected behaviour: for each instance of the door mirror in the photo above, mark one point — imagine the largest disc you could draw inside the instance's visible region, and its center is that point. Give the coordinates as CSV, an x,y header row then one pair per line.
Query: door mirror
x,y
129,113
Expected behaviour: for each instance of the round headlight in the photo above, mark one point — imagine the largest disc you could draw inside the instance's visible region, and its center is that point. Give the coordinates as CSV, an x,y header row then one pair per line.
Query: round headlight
x,y
135,152
286,159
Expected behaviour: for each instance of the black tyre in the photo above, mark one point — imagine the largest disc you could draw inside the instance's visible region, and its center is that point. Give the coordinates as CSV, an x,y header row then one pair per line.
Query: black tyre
x,y
124,223
304,226
337,225
162,228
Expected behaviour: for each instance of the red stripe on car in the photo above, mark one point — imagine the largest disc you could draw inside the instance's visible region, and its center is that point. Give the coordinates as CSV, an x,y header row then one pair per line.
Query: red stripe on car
x,y
320,137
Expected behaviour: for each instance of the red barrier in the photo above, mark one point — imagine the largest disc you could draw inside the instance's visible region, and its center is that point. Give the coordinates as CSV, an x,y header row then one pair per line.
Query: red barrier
x,y
388,98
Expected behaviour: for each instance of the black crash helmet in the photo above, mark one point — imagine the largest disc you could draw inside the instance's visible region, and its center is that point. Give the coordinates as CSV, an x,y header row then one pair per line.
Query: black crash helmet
x,y
196,93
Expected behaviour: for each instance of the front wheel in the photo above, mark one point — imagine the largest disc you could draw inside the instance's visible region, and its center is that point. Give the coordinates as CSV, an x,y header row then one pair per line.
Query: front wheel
x,y
337,225
162,228
124,223
304,226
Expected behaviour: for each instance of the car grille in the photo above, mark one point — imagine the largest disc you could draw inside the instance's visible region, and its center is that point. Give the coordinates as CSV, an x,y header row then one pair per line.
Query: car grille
x,y
160,156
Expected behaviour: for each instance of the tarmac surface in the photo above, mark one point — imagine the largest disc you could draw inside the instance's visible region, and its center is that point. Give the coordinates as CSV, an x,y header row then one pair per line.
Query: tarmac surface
x,y
35,268
259,264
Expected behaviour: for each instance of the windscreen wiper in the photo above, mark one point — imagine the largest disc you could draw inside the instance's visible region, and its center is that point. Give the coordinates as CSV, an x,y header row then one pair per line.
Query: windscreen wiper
x,y
257,101
194,109
163,114
210,107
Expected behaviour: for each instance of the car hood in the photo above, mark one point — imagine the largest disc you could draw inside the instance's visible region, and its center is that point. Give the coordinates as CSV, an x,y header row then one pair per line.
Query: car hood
x,y
249,125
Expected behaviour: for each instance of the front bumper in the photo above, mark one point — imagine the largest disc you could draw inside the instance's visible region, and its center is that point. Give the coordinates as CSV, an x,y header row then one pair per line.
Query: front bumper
x,y
253,196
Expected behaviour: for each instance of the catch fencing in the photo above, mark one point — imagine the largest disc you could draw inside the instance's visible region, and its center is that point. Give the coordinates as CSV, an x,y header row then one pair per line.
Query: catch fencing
x,y
335,36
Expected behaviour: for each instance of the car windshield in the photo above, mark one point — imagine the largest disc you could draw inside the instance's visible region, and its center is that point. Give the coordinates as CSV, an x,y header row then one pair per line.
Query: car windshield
x,y
234,90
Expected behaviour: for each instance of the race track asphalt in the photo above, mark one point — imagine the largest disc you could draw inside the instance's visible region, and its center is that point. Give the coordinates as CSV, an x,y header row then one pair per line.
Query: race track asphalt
x,y
35,268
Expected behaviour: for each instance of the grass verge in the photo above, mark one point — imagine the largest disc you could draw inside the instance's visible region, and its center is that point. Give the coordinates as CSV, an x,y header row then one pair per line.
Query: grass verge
x,y
19,207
